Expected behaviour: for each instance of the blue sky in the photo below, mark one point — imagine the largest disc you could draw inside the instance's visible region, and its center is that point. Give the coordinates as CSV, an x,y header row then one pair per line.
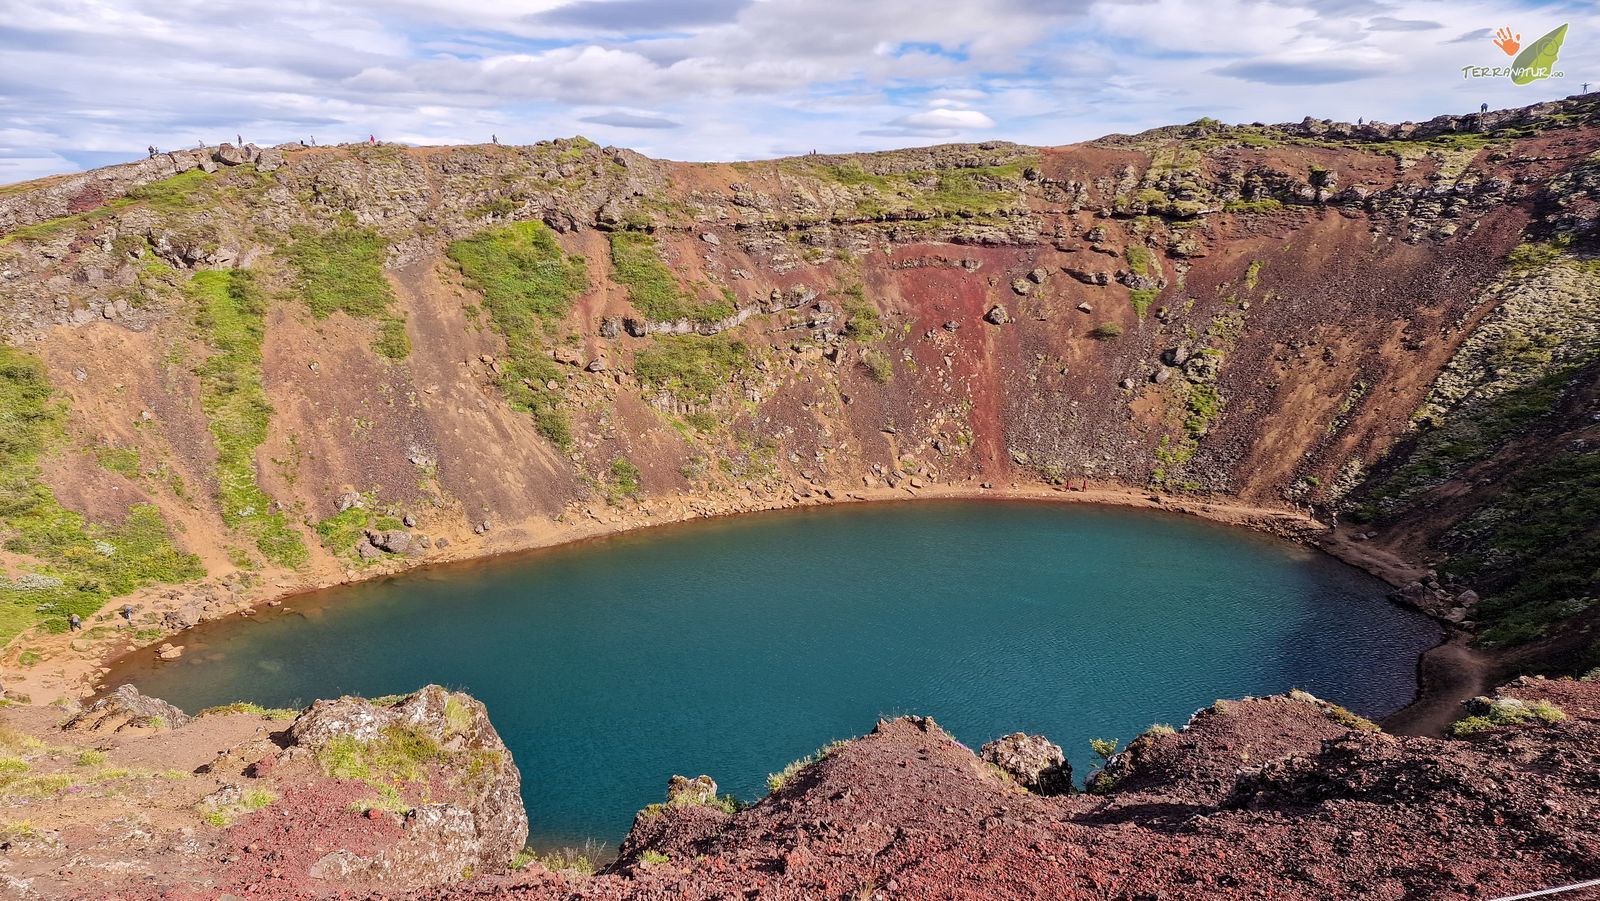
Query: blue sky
x,y
89,82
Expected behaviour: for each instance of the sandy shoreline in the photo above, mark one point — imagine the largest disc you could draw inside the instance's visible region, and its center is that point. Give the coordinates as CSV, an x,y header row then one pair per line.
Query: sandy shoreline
x,y
74,665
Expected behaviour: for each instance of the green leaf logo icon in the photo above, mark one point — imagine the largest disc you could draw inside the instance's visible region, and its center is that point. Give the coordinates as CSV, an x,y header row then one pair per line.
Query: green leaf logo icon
x,y
1538,59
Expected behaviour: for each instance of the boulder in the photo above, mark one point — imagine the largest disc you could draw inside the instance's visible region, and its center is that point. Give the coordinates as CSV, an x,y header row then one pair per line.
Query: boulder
x,y
394,541
996,315
567,356
474,822
1035,762
1176,356
1022,286
183,617
699,790
610,326
126,708
637,328
1038,275
229,155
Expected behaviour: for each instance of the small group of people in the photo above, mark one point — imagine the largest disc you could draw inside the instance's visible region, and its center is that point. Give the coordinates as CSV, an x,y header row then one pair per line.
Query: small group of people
x,y
75,622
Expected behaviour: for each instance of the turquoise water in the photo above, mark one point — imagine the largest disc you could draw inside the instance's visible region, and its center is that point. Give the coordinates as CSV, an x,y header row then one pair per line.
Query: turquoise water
x,y
732,647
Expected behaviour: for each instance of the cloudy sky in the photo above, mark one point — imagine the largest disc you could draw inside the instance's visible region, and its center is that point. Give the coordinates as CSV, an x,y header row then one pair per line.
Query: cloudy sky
x,y
85,83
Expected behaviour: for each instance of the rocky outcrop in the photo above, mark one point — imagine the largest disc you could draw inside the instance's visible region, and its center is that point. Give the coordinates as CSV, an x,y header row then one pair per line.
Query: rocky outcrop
x,y
132,798
1288,795
126,708
1035,762
481,830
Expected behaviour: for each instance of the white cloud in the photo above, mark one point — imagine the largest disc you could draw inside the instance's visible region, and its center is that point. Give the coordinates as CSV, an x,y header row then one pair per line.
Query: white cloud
x,y
741,78
945,119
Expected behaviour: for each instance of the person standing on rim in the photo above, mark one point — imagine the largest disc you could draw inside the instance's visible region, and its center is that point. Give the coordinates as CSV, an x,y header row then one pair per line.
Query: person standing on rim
x,y
74,622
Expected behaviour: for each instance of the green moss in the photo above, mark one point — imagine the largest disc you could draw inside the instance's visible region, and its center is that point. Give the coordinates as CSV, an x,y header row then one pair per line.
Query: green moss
x,y
392,342
691,367
1139,259
1535,550
1142,298
1261,205
182,192
341,270
122,460
1468,436
1252,275
1505,713
230,316
879,365
81,565
865,323
653,288
702,421
528,284
399,754
621,481
1106,331
965,193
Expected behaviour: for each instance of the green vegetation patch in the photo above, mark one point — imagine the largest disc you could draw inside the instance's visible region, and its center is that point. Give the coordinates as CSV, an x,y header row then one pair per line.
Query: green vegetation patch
x,y
82,565
970,192
250,708
341,531
653,288
527,284
122,460
865,323
781,778
879,365
691,367
1538,546
1139,259
1507,712
1468,435
341,269
181,193
621,481
230,316
398,754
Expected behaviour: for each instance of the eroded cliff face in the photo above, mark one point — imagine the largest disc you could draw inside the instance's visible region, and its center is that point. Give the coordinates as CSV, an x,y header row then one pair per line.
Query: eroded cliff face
x,y
246,370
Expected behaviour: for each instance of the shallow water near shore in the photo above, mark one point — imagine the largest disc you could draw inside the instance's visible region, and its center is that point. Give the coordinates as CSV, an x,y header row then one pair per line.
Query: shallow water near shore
x,y
734,646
